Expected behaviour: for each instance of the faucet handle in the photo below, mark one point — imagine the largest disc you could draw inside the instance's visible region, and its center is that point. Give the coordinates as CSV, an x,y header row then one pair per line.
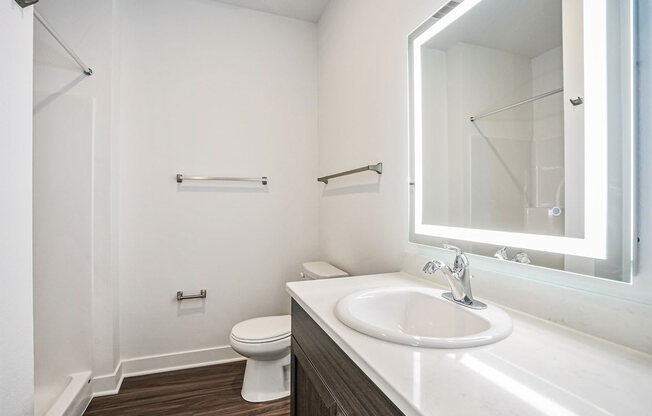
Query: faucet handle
x,y
522,257
460,258
501,254
457,250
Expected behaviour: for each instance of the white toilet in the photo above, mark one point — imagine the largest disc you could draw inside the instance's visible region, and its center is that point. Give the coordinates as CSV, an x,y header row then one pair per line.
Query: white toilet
x,y
266,344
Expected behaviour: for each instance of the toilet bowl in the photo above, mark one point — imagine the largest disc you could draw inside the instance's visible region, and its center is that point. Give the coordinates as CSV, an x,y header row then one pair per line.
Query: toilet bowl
x,y
265,342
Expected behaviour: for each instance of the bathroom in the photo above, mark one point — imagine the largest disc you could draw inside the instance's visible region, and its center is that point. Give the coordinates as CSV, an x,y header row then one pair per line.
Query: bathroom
x,y
130,287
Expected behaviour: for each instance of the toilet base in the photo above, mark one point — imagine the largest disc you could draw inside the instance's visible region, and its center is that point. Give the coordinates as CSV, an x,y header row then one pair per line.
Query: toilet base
x,y
266,380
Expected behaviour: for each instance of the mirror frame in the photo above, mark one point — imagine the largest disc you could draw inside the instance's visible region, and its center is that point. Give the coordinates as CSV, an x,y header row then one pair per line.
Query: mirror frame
x,y
593,245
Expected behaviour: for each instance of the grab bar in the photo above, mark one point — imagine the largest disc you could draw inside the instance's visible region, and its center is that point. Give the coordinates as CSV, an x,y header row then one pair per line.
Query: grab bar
x,y
181,296
181,178
378,168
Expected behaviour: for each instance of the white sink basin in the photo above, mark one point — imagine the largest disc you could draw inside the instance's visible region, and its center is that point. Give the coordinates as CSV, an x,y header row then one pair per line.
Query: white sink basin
x,y
421,317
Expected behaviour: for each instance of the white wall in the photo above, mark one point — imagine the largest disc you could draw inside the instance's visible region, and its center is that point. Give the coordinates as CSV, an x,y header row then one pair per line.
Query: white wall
x,y
211,89
75,317
363,118
363,90
16,341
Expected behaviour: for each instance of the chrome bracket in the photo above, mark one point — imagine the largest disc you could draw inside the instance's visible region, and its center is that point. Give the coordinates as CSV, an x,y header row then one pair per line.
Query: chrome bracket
x,y
576,101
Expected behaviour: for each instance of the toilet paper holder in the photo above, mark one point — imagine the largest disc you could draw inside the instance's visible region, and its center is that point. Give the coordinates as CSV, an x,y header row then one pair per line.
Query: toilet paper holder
x,y
181,296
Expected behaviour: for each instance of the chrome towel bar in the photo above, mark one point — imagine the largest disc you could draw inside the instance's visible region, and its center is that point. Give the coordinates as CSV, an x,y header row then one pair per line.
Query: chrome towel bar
x,y
181,178
508,107
181,296
378,168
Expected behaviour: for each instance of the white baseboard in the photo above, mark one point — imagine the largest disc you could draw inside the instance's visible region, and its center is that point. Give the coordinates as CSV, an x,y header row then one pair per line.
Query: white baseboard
x,y
110,384
75,397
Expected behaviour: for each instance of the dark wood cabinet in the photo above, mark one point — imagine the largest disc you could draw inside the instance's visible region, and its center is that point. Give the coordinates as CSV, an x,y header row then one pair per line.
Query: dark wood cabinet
x,y
325,381
314,398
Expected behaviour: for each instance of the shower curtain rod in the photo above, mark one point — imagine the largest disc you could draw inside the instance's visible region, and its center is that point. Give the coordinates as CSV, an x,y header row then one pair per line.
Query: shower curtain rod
x,y
88,71
529,100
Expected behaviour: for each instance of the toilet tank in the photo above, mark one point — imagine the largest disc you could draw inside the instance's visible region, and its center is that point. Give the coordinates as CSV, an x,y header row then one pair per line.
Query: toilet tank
x,y
320,270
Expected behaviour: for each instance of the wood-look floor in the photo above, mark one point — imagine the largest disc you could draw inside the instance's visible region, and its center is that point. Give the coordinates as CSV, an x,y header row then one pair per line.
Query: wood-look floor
x,y
204,391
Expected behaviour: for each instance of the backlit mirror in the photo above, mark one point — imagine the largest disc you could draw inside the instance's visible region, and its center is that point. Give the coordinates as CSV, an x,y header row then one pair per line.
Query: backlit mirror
x,y
521,132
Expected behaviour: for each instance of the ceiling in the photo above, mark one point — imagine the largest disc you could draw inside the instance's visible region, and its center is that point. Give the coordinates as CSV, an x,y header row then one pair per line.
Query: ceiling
x,y
309,10
523,27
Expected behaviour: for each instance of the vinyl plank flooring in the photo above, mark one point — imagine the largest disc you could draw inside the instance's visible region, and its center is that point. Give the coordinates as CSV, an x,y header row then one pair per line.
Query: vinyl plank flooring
x,y
203,391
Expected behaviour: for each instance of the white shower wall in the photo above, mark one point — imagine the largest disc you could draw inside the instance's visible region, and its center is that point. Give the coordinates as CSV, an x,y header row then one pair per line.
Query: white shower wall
x,y
63,137
74,310
490,156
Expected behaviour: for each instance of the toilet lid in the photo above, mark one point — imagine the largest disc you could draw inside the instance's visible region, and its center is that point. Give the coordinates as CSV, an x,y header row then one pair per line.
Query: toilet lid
x,y
265,329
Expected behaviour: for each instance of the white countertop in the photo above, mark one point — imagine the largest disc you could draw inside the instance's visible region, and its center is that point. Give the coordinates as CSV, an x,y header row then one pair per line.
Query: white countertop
x,y
540,369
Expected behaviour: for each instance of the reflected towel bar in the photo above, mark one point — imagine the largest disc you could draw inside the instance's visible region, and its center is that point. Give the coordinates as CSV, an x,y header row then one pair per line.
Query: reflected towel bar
x,y
181,178
181,296
378,168
508,107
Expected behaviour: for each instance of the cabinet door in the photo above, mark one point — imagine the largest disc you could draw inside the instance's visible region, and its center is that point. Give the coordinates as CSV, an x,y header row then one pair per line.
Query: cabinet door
x,y
310,395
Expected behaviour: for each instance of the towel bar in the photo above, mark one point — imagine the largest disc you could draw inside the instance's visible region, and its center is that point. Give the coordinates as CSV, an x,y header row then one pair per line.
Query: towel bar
x,y
181,178
378,168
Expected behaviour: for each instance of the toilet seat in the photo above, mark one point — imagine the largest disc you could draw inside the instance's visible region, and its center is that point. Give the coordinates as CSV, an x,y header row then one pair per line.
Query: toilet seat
x,y
262,330
260,341
263,351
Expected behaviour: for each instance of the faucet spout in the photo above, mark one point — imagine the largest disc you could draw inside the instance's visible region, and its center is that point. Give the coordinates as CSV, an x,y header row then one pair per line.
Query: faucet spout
x,y
454,280
458,277
434,265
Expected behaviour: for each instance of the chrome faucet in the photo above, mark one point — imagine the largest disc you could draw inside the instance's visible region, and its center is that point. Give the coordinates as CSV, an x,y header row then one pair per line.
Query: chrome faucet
x,y
459,278
520,257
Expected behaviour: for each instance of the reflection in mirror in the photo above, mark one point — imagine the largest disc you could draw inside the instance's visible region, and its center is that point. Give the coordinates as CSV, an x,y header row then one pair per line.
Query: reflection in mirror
x,y
501,96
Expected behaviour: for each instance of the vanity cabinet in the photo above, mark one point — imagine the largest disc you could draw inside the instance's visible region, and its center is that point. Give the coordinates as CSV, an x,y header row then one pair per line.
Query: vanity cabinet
x,y
314,397
325,381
